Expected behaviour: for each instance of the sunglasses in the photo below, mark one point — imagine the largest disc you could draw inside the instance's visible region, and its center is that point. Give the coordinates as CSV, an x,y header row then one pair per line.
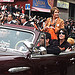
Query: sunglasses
x,y
22,18
42,37
62,33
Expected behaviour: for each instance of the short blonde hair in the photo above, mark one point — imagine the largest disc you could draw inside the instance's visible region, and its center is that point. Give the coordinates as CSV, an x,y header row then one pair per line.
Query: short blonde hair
x,y
53,9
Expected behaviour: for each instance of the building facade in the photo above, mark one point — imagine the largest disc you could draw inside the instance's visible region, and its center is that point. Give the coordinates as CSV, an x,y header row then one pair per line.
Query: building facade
x,y
67,9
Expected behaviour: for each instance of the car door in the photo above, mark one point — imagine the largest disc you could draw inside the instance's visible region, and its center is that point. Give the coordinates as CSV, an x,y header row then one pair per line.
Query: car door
x,y
49,64
13,58
14,65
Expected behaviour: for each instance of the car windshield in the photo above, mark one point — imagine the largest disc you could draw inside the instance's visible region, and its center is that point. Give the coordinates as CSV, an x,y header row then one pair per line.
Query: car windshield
x,y
10,38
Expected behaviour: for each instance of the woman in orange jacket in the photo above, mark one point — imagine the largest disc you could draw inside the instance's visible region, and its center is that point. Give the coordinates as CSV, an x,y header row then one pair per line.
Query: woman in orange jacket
x,y
54,23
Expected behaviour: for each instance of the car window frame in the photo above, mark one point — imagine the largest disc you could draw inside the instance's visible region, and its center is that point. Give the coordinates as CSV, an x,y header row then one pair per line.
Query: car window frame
x,y
19,29
22,30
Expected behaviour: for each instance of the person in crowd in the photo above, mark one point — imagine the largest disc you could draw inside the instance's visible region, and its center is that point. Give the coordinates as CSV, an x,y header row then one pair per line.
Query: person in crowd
x,y
11,8
25,21
4,19
35,24
22,10
10,19
62,41
72,26
69,27
53,23
19,9
18,19
65,24
47,39
8,7
41,23
16,8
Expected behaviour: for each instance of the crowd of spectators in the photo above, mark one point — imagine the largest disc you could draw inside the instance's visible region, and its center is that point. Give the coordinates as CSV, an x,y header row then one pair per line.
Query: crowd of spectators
x,y
16,15
70,26
14,11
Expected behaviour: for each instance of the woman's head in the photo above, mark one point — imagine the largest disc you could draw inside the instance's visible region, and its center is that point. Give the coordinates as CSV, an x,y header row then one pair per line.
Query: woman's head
x,y
55,12
62,34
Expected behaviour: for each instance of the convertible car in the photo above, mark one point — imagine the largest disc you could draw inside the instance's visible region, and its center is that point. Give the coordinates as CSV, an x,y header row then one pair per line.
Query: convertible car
x,y
18,55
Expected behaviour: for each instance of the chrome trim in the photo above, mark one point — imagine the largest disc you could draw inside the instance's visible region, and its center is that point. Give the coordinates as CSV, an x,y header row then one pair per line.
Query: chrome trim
x,y
18,69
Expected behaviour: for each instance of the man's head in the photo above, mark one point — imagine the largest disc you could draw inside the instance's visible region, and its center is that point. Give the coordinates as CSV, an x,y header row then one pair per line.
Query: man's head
x,y
42,40
48,39
24,18
9,18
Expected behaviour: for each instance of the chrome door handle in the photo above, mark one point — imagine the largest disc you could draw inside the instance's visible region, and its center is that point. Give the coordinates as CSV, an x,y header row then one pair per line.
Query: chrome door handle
x,y
72,59
18,69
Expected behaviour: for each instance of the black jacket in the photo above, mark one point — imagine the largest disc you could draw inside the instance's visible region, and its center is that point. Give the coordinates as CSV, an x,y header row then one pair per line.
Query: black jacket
x,y
54,49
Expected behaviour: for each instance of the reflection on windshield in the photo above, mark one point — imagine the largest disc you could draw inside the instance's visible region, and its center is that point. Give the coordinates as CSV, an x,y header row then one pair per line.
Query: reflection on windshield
x,y
9,38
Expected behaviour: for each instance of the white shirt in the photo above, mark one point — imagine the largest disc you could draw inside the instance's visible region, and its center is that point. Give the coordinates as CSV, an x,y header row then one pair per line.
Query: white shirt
x,y
24,23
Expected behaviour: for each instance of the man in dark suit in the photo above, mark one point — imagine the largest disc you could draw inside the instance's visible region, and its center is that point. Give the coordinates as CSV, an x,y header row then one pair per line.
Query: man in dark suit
x,y
25,21
10,19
